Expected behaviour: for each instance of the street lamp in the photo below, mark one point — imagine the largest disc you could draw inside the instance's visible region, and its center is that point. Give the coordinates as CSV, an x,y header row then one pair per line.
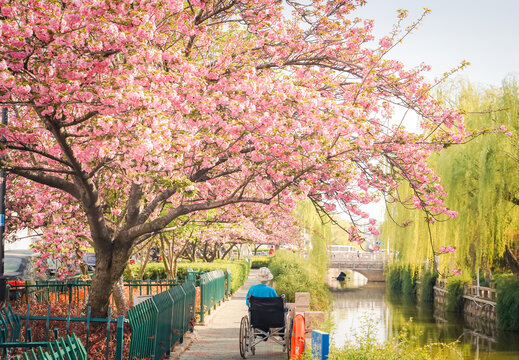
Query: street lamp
x,y
3,178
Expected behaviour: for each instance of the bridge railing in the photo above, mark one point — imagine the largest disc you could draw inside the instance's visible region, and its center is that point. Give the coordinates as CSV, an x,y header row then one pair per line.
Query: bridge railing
x,y
339,256
365,266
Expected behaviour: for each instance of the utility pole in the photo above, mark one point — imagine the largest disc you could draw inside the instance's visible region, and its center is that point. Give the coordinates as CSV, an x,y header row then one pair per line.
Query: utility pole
x,y
3,187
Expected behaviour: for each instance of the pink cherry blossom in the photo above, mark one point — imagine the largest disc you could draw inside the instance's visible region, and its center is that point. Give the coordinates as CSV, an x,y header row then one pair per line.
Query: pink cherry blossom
x,y
119,111
456,271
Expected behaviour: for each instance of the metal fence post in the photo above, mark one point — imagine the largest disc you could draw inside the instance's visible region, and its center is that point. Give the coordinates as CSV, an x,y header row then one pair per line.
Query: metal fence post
x,y
191,275
69,292
228,290
119,338
202,296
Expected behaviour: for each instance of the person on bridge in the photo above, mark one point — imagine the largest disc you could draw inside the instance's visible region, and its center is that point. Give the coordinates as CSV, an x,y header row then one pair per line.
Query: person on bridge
x,y
262,289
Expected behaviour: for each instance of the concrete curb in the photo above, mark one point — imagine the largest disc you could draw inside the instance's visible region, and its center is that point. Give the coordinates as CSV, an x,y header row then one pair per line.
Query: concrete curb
x,y
179,349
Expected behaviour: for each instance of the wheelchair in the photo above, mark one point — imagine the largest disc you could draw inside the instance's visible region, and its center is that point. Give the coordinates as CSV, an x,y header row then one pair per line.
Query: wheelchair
x,y
268,318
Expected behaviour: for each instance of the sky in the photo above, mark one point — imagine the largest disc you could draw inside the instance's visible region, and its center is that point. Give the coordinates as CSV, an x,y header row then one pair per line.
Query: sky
x,y
483,32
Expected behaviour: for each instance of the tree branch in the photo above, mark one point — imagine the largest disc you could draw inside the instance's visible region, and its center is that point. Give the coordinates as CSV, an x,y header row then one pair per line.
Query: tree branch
x,y
52,181
24,147
81,119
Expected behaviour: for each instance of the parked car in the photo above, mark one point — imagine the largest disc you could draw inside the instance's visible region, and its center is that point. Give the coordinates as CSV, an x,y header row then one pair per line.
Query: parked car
x,y
90,260
19,270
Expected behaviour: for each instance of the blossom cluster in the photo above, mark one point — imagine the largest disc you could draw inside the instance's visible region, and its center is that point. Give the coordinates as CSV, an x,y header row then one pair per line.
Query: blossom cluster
x,y
447,249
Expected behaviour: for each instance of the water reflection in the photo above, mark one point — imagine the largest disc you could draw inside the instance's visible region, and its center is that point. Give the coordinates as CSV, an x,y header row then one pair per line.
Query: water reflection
x,y
355,299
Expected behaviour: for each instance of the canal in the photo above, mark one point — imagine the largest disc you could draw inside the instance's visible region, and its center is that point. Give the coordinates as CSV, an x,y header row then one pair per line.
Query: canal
x,y
357,302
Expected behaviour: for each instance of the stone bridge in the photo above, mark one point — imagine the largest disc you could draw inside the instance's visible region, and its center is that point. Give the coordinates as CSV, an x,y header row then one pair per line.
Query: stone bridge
x,y
371,265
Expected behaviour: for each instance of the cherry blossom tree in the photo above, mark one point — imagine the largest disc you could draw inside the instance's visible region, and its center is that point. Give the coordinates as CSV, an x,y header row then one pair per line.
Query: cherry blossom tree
x,y
213,235
126,115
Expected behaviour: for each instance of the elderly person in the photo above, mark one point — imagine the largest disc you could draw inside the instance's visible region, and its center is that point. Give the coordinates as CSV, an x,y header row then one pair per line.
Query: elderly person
x,y
262,289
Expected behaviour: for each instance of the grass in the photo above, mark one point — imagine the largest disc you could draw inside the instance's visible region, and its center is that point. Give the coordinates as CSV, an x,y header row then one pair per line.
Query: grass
x,y
402,347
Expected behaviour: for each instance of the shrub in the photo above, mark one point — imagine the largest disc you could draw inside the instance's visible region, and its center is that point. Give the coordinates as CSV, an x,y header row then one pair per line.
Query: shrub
x,y
259,261
393,279
401,280
153,271
239,270
455,286
500,279
428,280
408,281
293,274
402,347
507,307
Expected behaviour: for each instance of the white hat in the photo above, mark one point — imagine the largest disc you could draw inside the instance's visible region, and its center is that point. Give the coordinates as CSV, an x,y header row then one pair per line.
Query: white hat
x,y
264,274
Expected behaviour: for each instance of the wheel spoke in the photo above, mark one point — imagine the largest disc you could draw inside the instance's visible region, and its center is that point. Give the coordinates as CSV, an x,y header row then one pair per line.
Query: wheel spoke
x,y
244,337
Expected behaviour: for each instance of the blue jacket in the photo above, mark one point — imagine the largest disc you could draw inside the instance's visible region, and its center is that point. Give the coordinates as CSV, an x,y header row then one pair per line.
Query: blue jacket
x,y
260,290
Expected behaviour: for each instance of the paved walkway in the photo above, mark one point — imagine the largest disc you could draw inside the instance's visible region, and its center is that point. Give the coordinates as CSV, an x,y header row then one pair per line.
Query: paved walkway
x,y
220,339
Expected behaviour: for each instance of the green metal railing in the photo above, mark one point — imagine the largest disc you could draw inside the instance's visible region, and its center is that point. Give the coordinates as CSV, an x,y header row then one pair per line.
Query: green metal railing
x,y
148,287
11,324
159,322
190,307
195,276
75,290
61,349
87,321
179,321
143,322
227,282
212,291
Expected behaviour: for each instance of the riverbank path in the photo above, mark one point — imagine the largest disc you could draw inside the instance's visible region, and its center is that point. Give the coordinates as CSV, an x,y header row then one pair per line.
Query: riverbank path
x,y
219,339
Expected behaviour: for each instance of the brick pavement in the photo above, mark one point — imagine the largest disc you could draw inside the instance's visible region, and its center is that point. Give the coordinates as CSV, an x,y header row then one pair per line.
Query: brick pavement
x,y
219,339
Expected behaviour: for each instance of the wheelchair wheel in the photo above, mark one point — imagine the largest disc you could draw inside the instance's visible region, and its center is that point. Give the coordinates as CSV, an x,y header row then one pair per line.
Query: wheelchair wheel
x,y
288,336
244,336
252,337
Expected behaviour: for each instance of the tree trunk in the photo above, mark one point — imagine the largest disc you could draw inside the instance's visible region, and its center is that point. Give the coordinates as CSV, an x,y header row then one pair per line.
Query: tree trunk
x,y
228,250
193,251
130,271
110,264
215,253
204,252
187,253
175,263
210,252
511,261
145,259
100,290
167,259
121,302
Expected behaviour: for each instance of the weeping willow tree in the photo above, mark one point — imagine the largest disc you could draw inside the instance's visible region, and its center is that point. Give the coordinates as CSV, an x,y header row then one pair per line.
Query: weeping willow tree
x,y
323,229
320,232
482,180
